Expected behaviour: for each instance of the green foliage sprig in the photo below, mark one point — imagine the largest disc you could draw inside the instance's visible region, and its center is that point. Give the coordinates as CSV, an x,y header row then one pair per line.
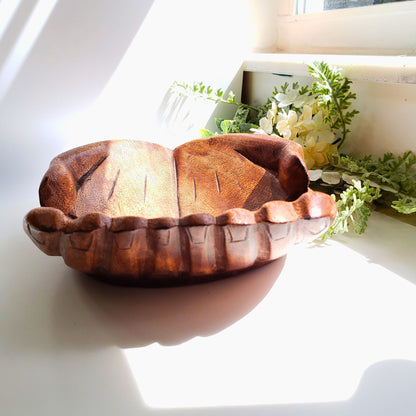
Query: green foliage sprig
x,y
388,181
353,208
394,175
333,92
245,118
206,92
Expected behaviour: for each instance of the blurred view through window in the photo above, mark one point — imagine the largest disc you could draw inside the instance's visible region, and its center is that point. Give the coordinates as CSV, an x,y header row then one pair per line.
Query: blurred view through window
x,y
316,6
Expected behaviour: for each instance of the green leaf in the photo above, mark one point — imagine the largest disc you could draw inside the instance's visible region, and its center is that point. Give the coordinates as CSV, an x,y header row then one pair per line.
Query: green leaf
x,y
218,122
225,126
231,98
283,89
205,133
241,114
246,127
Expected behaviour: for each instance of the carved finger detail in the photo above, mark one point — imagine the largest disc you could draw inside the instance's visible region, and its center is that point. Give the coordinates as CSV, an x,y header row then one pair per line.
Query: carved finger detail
x,y
240,239
81,241
124,240
201,250
277,231
197,235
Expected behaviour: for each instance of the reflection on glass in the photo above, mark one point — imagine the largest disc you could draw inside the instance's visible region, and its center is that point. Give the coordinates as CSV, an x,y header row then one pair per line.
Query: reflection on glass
x,y
316,6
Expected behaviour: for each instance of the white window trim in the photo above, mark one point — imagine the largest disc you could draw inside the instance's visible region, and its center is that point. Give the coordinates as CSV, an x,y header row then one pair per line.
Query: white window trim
x,y
367,68
385,29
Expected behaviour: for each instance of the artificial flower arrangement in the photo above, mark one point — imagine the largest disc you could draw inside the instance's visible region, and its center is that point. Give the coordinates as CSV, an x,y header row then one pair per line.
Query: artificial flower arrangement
x,y
317,117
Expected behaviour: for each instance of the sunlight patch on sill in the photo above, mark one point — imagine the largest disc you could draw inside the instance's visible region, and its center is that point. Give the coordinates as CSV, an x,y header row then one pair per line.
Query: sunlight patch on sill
x,y
322,352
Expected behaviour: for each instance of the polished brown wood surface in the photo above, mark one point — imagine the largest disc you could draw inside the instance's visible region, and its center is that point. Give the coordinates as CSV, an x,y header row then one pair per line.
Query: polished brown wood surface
x,y
115,178
133,212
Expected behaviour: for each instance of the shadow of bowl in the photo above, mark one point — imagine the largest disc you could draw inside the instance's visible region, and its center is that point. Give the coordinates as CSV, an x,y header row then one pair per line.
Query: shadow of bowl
x,y
134,317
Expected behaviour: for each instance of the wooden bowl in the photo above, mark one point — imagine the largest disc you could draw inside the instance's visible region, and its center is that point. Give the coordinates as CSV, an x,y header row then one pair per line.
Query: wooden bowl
x,y
137,213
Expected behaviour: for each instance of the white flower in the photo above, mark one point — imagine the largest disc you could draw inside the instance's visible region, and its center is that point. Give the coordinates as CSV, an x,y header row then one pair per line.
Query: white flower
x,y
317,153
287,124
293,97
286,99
267,123
319,130
331,177
315,174
273,111
257,131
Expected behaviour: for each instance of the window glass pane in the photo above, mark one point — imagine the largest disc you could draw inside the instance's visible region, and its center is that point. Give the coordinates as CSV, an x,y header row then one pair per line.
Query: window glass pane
x,y
316,6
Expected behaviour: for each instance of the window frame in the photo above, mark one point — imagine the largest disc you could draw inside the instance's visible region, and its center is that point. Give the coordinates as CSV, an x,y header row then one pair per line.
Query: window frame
x,y
385,29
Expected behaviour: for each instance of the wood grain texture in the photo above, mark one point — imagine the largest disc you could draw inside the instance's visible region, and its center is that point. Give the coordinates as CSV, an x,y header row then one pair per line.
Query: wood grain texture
x,y
136,213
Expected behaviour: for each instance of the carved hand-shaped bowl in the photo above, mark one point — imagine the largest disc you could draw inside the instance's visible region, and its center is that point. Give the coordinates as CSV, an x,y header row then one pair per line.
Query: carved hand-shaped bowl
x,y
137,213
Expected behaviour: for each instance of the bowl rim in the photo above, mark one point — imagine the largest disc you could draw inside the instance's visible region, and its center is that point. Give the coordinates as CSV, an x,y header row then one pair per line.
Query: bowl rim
x,y
48,219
